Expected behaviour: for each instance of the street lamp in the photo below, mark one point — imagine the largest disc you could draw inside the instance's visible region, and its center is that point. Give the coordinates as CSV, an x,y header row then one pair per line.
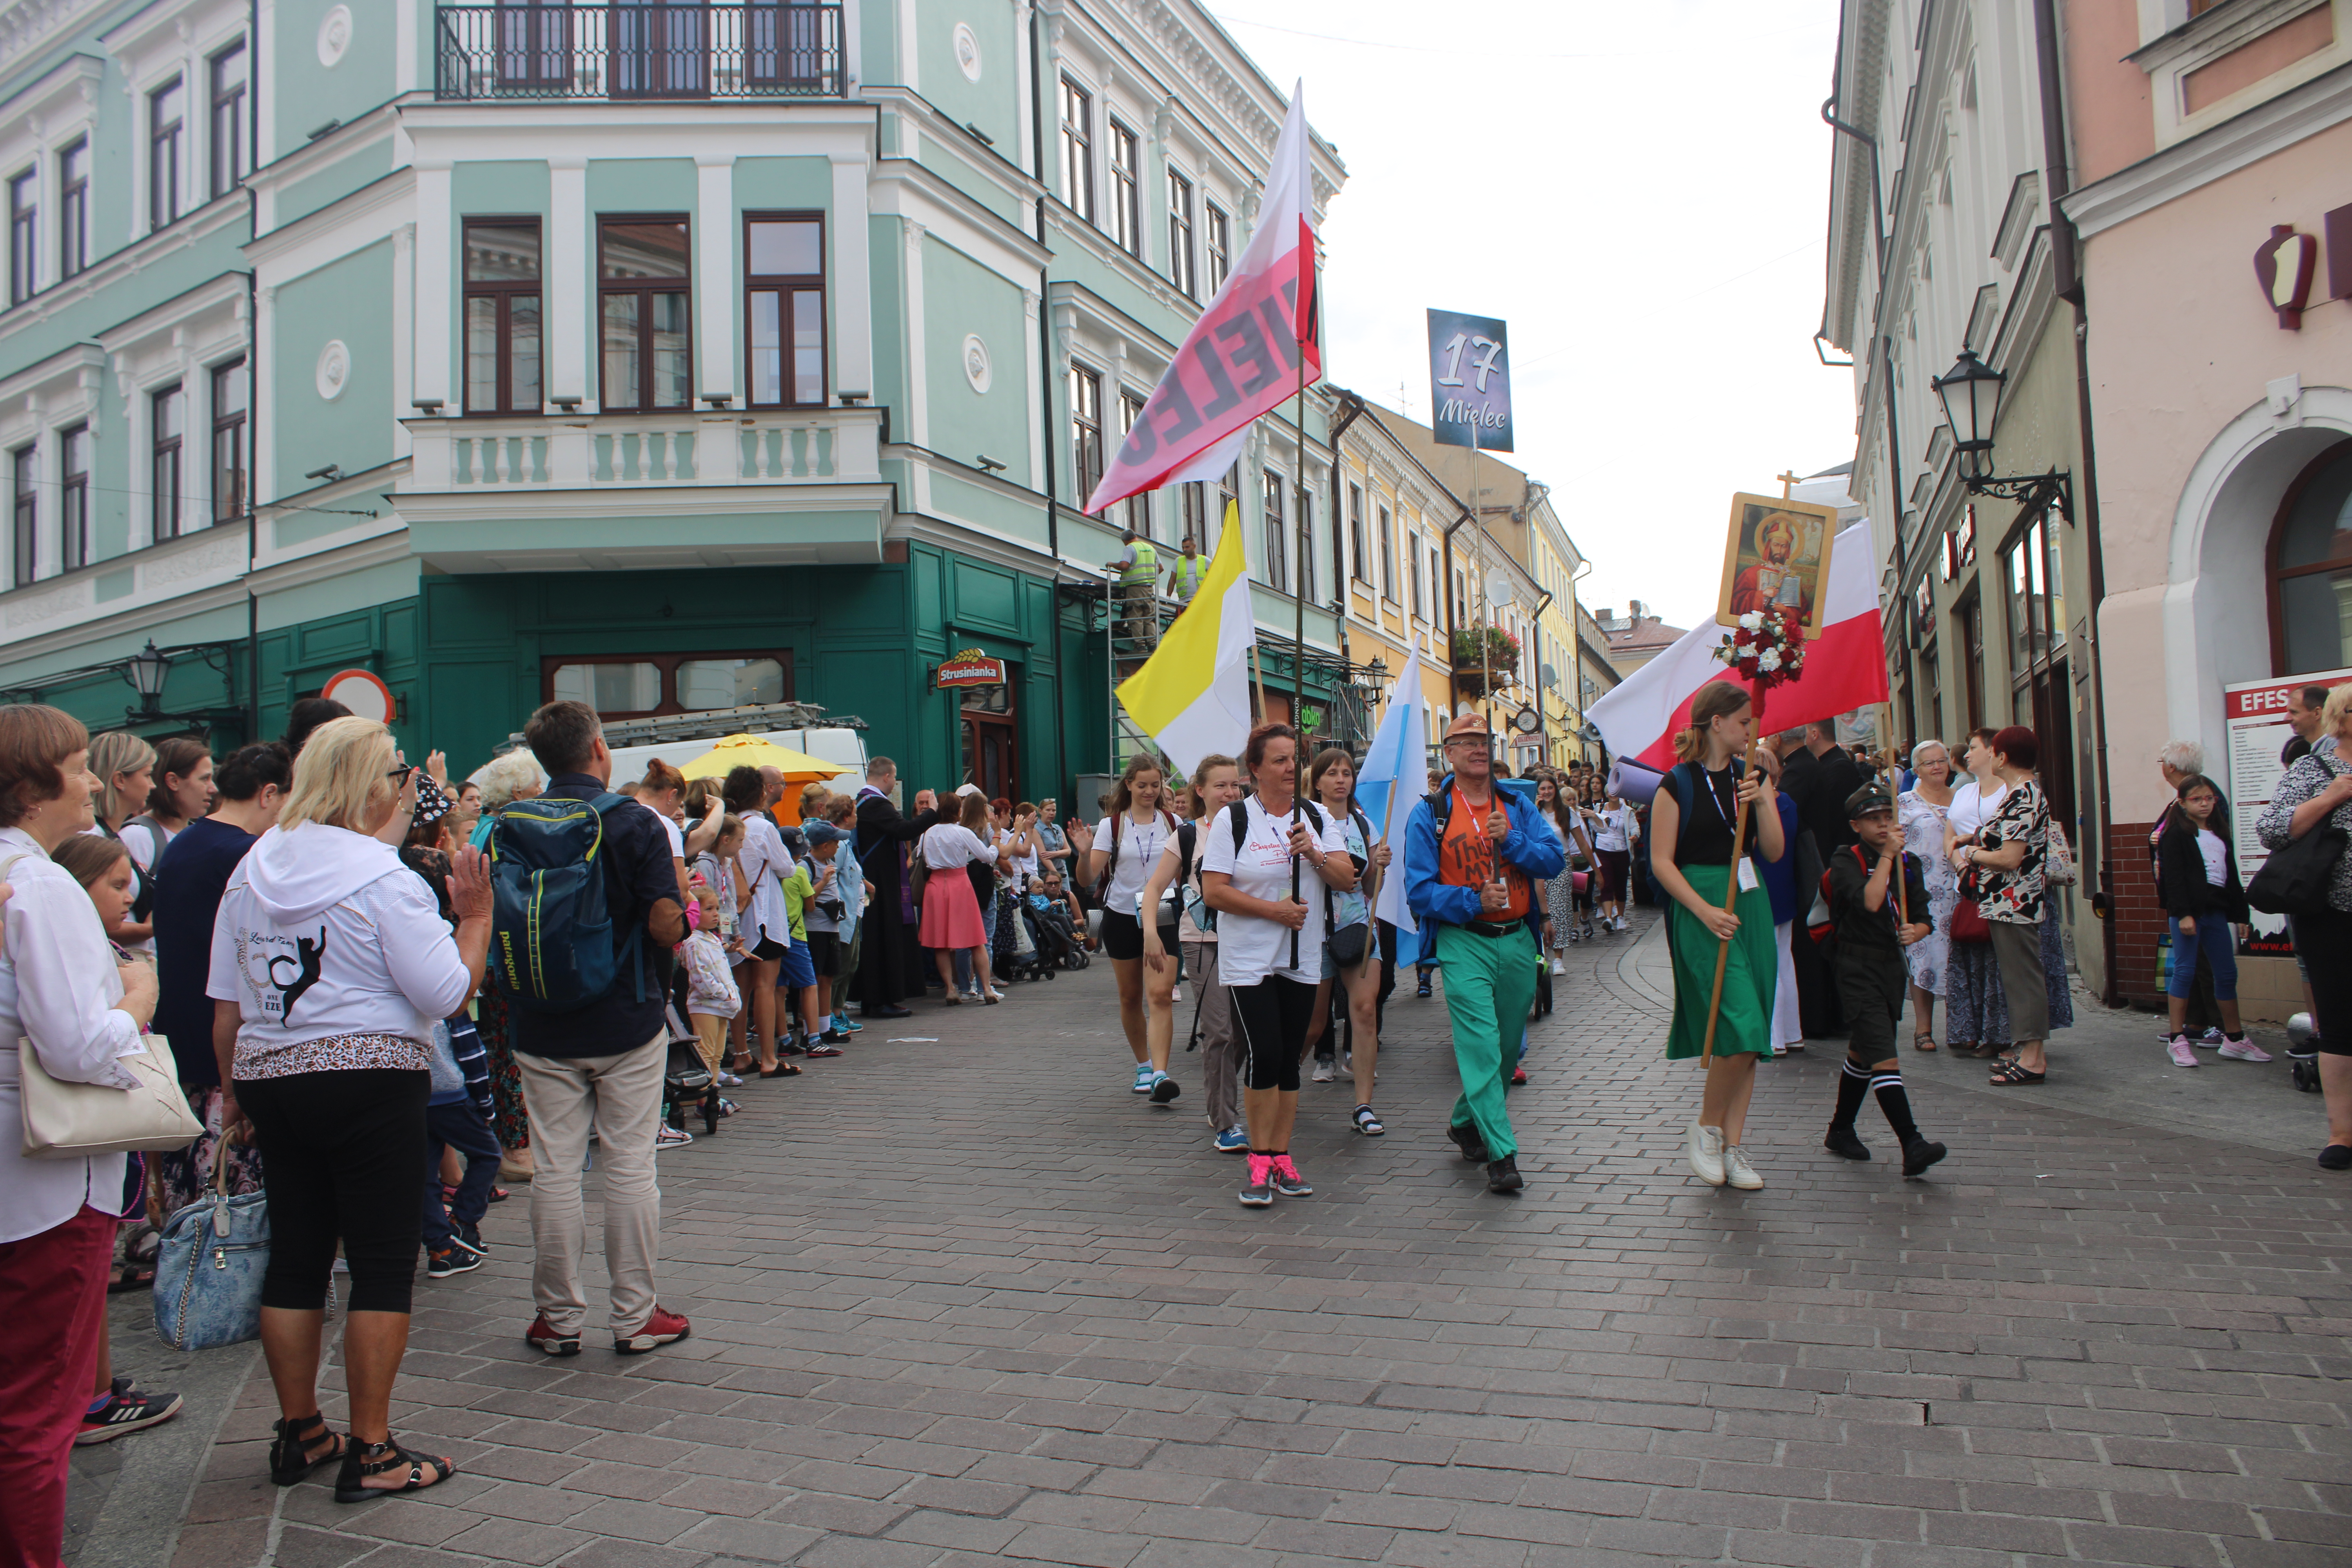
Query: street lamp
x,y
148,668
1971,391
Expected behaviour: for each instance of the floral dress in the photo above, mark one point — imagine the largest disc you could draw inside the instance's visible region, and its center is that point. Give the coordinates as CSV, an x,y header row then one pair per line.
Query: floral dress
x,y
1922,821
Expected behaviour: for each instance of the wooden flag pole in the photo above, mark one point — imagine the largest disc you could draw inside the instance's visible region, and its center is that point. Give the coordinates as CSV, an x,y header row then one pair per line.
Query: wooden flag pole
x,y
1731,894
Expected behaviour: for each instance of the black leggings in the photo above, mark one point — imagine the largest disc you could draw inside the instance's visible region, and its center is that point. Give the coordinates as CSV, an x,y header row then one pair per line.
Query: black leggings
x,y
2324,942
338,1159
1272,1018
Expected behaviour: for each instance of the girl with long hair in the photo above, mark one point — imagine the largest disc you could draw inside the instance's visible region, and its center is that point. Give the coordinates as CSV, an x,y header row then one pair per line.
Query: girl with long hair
x,y
1121,851
1696,864
1332,783
183,792
2205,901
1556,798
125,766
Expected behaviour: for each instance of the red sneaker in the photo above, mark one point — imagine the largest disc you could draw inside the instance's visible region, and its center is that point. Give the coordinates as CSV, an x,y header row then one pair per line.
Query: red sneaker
x,y
1519,1076
665,1327
541,1336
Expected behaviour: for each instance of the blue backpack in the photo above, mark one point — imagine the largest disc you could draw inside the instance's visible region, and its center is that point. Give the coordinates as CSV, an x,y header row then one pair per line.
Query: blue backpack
x,y
551,947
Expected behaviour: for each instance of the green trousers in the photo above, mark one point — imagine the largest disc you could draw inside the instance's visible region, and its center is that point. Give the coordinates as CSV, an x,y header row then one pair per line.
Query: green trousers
x,y
1490,986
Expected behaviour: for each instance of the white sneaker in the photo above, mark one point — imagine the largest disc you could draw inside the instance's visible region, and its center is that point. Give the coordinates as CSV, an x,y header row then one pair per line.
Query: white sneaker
x,y
1707,1154
2245,1051
1557,967
1738,1172
672,1137
1324,1072
1176,994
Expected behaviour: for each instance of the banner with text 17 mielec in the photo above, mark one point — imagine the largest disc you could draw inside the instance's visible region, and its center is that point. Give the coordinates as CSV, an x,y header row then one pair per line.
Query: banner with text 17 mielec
x,y
1469,381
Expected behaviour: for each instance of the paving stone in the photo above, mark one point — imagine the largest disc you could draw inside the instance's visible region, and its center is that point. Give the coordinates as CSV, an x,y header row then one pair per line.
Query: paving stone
x,y
2081,1340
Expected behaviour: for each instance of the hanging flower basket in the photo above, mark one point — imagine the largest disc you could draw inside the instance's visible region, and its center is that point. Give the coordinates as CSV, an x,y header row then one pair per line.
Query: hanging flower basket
x,y
1767,648
1487,649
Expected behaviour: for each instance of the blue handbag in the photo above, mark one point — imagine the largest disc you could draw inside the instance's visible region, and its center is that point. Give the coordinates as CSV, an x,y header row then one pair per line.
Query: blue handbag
x,y
208,1268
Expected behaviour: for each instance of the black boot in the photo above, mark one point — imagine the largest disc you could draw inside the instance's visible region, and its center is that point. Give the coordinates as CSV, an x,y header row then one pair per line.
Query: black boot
x,y
1918,1154
1503,1175
1466,1138
1854,1085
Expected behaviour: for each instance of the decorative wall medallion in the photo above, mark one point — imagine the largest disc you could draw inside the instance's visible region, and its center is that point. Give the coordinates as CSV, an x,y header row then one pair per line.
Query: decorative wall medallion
x,y
975,363
334,370
967,51
334,36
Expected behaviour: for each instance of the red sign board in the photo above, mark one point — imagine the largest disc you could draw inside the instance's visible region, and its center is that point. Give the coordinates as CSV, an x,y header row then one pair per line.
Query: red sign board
x,y
971,668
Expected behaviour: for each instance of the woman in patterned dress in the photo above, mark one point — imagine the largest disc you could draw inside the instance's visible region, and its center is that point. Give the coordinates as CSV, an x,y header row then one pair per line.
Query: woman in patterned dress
x,y
1975,1014
1920,811
2012,856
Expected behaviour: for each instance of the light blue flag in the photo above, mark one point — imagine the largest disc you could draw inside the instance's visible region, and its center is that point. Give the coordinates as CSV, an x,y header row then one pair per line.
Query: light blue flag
x,y
1393,779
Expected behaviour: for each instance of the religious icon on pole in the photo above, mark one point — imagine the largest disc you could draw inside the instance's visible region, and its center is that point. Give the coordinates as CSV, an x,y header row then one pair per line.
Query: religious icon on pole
x,y
1776,557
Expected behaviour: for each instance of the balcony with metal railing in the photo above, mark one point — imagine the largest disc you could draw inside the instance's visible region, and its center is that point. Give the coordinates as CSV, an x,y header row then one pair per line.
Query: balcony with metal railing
x,y
666,50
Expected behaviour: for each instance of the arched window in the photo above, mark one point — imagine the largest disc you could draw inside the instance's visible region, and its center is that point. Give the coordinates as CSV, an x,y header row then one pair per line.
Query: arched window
x,y
2311,556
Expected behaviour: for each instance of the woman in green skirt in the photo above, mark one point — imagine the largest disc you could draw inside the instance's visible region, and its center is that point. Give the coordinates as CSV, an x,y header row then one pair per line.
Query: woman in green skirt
x,y
1691,856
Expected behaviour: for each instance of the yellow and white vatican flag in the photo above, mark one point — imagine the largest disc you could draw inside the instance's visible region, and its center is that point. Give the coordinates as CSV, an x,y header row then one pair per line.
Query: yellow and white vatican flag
x,y
1192,696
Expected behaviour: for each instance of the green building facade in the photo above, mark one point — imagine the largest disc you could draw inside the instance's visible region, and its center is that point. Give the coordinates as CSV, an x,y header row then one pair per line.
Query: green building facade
x,y
747,353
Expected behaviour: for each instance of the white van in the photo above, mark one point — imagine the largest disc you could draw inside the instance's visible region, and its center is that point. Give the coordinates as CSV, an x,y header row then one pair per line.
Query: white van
x,y
679,738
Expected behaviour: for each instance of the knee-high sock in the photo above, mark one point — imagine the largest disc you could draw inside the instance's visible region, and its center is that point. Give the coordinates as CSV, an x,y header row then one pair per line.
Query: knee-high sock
x,y
1854,1085
1896,1103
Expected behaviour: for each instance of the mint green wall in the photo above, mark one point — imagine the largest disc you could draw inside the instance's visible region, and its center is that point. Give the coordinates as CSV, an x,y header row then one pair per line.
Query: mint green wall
x,y
994,102
362,166
312,310
886,258
641,185
383,637
963,297
307,94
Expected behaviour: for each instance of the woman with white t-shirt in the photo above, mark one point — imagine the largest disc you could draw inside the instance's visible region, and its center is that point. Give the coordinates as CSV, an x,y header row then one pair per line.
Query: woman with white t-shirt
x,y
1613,845
951,923
763,928
1127,844
1270,938
1331,784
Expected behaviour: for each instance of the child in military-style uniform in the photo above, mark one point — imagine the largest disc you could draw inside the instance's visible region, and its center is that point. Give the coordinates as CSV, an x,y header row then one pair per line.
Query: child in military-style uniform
x,y
1870,975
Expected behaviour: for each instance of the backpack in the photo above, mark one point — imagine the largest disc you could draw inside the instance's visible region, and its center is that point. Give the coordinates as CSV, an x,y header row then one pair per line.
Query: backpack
x,y
551,941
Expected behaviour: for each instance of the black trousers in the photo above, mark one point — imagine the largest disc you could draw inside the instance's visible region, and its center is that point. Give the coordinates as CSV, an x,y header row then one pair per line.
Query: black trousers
x,y
2325,943
339,1161
1272,1018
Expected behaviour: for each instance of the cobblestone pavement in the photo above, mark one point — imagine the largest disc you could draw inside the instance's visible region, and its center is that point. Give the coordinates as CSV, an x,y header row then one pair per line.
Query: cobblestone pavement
x,y
968,1299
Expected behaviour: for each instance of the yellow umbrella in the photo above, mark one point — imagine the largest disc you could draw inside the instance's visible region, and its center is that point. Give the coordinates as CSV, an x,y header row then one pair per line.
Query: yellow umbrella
x,y
750,752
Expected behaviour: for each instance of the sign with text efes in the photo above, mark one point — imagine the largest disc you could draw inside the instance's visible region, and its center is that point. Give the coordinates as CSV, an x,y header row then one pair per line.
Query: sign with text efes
x,y
1469,381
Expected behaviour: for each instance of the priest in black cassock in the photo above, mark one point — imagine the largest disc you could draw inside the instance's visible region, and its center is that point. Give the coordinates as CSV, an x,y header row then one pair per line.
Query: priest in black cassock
x,y
882,835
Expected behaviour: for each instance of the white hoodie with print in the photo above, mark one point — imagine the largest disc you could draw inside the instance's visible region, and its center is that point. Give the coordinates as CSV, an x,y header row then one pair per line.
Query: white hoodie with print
x,y
322,931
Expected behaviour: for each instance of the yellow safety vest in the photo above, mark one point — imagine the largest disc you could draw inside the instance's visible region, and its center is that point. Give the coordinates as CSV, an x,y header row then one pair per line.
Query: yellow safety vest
x,y
1191,572
1146,566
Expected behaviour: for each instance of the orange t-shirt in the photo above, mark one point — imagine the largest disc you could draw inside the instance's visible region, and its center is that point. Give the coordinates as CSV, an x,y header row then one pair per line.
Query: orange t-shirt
x,y
1467,857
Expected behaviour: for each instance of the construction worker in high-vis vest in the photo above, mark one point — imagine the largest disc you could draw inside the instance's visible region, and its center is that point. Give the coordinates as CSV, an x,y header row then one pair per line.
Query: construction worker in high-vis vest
x,y
1184,580
1138,568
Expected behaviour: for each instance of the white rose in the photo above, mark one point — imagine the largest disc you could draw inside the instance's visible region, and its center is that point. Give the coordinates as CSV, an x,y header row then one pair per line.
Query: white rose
x,y
1751,620
1768,659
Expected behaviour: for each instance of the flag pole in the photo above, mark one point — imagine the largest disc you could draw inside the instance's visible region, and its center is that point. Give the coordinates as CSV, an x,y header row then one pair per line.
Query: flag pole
x,y
1298,622
1730,892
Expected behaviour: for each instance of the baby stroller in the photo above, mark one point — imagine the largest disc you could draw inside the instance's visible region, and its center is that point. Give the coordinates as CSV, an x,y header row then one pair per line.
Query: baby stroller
x,y
1015,954
1058,941
686,1081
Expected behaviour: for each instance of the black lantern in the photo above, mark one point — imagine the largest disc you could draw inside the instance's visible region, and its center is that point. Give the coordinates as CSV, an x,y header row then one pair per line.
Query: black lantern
x,y
1971,391
149,666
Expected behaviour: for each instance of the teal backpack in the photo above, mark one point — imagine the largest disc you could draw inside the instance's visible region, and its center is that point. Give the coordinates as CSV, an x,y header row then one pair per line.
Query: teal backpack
x,y
552,946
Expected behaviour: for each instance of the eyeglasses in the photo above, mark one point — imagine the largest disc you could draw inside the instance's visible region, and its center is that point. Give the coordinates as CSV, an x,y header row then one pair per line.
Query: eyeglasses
x,y
399,776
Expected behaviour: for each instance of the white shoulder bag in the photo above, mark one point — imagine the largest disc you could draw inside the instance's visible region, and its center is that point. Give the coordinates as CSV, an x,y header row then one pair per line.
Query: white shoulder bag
x,y
74,1120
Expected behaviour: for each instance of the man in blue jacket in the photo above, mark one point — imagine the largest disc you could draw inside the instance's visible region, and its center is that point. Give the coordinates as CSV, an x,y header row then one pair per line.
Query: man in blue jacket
x,y
1470,872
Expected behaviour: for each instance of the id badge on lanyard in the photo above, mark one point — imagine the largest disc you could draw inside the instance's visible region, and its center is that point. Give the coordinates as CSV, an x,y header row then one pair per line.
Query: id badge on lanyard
x,y
1744,865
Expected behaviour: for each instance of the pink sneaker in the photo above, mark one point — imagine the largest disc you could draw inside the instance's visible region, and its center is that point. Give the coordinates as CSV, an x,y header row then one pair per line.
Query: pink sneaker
x,y
2244,1050
2182,1054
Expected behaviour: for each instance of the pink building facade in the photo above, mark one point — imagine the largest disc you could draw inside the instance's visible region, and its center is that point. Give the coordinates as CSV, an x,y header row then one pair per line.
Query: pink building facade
x,y
2212,199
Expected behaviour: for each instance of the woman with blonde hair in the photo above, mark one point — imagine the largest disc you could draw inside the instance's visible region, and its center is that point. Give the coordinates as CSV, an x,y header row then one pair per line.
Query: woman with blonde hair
x,y
1696,864
500,782
125,766
329,960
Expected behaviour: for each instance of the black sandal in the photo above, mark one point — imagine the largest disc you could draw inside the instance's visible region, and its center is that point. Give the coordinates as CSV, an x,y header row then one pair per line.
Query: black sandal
x,y
289,1455
362,1460
2012,1074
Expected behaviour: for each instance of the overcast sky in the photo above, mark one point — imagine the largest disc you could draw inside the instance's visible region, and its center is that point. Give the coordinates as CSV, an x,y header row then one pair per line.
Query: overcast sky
x,y
1641,192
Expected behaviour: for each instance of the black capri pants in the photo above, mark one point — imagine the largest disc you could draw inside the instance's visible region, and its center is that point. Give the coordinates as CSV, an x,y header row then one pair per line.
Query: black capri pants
x,y
1272,1018
2324,944
339,1161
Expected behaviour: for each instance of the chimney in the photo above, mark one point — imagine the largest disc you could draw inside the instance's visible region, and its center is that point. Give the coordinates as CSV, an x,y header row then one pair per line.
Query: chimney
x,y
1634,612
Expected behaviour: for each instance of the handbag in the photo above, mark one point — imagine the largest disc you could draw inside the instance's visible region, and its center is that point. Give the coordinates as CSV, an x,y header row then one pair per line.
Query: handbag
x,y
208,1267
73,1120
1969,927
2295,881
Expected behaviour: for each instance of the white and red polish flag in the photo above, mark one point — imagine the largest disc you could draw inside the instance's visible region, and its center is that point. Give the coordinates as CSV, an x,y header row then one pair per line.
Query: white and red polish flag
x,y
1242,356
1845,668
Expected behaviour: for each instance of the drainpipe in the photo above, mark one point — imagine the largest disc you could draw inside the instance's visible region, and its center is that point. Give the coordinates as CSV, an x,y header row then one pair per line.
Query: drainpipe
x,y
2065,259
1046,395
